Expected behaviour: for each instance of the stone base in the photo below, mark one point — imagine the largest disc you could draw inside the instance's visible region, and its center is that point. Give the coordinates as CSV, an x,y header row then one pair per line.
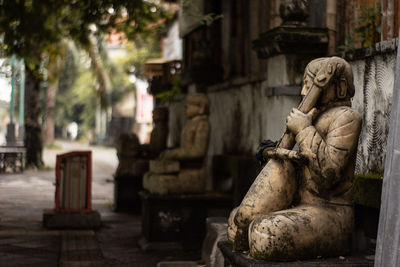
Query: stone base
x,y
240,259
180,218
126,197
178,264
145,245
216,232
58,220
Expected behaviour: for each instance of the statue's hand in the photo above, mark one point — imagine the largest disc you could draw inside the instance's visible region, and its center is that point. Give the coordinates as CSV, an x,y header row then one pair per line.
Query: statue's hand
x,y
265,144
285,154
297,120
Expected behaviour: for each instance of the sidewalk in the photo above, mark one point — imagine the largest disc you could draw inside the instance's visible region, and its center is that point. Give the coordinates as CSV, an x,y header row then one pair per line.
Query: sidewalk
x,y
24,242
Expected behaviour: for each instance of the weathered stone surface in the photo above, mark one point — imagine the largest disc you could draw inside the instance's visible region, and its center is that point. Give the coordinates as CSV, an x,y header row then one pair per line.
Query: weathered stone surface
x,y
319,221
185,159
58,220
373,80
240,259
165,166
216,232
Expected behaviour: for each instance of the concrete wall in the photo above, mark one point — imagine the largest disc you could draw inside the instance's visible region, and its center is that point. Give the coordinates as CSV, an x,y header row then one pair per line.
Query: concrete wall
x,y
243,116
373,79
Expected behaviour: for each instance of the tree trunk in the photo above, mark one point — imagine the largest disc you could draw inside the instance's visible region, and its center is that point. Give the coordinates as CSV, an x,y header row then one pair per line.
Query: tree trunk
x,y
50,105
33,136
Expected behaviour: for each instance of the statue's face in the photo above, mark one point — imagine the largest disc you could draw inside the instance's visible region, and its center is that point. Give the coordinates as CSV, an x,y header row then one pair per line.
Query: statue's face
x,y
308,81
192,109
328,95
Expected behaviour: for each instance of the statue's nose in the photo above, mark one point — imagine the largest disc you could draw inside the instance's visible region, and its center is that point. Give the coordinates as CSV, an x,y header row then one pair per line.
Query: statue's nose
x,y
304,90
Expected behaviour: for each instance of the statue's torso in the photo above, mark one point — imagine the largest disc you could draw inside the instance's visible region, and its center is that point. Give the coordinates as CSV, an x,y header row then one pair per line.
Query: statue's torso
x,y
341,191
192,129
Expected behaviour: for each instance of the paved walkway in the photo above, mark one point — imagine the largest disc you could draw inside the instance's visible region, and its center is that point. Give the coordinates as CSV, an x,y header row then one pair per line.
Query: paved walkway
x,y
24,242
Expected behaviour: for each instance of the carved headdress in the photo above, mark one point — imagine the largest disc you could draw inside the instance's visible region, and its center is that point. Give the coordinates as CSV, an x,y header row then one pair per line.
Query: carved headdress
x,y
332,69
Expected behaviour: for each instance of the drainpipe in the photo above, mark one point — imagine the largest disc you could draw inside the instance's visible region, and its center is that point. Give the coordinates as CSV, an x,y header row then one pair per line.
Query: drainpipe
x,y
21,128
13,67
10,136
331,14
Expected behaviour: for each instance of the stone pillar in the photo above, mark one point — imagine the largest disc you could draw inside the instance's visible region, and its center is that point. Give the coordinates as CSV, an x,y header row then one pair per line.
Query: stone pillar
x,y
388,241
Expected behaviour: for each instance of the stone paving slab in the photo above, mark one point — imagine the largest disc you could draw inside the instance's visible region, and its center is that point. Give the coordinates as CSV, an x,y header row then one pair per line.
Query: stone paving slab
x,y
80,248
29,248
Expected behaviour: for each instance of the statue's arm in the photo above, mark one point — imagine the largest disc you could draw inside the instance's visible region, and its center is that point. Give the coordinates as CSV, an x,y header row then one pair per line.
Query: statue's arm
x,y
197,150
328,156
284,154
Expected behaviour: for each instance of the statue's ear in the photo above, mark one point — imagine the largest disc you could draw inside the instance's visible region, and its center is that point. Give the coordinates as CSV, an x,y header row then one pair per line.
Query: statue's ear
x,y
341,90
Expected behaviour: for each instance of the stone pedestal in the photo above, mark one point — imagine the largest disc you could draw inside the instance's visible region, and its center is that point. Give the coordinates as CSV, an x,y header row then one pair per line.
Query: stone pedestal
x,y
180,218
216,232
239,259
126,197
64,220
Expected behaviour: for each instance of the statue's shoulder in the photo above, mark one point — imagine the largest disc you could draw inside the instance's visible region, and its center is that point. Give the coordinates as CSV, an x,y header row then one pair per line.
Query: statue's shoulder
x,y
345,111
344,115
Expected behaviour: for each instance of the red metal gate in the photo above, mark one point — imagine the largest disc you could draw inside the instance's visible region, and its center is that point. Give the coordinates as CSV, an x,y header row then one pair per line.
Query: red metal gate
x,y
73,182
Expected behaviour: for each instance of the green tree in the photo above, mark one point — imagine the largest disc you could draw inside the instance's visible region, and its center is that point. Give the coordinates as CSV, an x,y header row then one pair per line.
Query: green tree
x,y
31,28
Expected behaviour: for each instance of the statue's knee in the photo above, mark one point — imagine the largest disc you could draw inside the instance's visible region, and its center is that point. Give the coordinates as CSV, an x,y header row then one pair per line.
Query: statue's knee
x,y
267,238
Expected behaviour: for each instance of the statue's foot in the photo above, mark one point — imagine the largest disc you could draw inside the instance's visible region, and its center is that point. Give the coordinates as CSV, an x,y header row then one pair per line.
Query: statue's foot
x,y
187,181
304,232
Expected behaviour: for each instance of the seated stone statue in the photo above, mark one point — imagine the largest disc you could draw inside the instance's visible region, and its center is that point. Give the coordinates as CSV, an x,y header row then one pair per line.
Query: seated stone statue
x,y
134,157
308,212
181,170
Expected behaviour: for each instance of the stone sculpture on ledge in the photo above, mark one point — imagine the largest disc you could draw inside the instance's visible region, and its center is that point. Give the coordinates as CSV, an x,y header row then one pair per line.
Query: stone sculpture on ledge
x,y
300,205
134,157
181,170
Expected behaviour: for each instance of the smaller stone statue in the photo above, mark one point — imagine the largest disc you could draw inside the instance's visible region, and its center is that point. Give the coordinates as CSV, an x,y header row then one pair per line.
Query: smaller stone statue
x,y
181,170
134,157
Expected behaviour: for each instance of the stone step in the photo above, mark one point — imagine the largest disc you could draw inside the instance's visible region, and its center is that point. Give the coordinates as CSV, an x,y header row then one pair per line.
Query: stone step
x,y
239,259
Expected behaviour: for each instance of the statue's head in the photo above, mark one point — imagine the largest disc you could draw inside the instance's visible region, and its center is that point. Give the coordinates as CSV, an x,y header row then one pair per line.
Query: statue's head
x,y
160,114
334,75
196,105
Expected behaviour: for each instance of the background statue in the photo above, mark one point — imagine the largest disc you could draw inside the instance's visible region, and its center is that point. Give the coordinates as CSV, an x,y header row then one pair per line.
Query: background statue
x,y
181,170
134,157
300,205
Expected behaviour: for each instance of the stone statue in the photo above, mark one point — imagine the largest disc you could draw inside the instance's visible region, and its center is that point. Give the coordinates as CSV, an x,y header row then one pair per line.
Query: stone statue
x,y
181,170
134,157
300,205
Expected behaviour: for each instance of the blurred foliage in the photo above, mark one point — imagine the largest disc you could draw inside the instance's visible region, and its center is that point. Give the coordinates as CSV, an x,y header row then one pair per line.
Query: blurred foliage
x,y
78,86
176,89
32,27
368,25
367,29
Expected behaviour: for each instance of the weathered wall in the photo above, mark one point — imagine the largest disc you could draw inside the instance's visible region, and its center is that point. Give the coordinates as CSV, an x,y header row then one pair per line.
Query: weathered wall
x,y
243,114
373,79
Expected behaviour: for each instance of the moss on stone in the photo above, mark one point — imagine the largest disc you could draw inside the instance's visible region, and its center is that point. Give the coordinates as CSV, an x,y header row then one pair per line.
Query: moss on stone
x,y
367,189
